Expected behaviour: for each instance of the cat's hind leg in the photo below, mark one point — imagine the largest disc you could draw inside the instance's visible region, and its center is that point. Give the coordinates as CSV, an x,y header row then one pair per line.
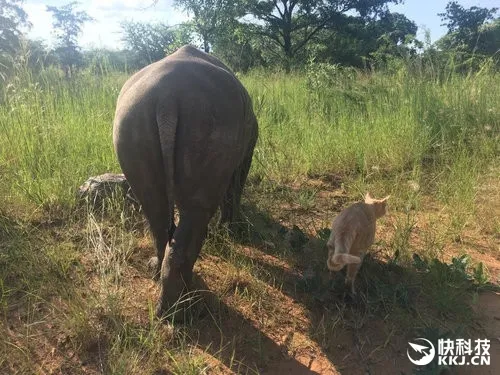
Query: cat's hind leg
x,y
352,271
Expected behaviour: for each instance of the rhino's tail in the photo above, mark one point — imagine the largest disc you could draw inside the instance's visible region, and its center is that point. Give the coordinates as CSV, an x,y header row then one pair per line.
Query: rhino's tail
x,y
167,120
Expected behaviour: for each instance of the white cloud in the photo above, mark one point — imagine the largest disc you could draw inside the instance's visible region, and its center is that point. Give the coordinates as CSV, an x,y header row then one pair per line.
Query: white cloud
x,y
121,5
41,21
105,31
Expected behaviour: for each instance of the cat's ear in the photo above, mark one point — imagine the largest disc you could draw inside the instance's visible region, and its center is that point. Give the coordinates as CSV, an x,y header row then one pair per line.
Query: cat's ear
x,y
385,199
368,197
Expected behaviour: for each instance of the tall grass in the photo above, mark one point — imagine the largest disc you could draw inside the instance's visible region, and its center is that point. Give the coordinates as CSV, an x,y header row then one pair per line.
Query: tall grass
x,y
338,121
55,133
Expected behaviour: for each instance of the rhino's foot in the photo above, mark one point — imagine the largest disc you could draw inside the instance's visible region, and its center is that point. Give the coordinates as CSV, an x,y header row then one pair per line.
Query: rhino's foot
x,y
175,314
169,314
188,307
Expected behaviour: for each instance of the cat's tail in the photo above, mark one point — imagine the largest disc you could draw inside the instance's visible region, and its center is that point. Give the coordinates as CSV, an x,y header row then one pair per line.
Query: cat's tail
x,y
338,261
341,256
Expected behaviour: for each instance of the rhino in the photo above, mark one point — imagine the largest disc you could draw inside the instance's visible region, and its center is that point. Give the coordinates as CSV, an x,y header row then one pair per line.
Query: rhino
x,y
184,133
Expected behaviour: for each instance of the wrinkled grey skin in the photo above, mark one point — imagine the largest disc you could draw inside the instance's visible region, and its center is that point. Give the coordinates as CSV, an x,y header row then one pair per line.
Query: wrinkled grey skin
x,y
184,133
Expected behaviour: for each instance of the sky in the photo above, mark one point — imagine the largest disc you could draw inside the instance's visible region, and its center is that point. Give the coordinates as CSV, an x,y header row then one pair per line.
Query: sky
x,y
105,30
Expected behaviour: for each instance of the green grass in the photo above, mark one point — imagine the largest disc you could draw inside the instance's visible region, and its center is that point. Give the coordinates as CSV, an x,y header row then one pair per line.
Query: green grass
x,y
56,133
390,123
66,269
53,134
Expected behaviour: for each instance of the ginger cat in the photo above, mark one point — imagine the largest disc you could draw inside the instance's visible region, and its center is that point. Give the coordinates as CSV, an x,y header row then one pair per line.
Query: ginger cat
x,y
353,232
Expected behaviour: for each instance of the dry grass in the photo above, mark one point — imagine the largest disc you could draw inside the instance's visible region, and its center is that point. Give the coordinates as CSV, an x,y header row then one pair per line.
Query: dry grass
x,y
266,306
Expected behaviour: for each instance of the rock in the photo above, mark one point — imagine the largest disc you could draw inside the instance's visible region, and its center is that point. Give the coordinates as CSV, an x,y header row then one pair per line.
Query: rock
x,y
107,185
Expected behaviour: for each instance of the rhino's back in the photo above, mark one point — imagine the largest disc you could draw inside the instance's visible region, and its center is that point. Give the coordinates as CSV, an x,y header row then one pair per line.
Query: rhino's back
x,y
200,86
187,73
209,108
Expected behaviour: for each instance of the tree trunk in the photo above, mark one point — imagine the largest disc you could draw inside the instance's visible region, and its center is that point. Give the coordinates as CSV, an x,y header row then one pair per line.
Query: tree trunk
x,y
287,39
287,48
206,45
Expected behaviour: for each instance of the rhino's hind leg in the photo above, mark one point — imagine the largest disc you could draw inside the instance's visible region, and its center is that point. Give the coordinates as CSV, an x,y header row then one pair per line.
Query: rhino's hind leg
x,y
179,260
230,207
161,232
154,263
144,172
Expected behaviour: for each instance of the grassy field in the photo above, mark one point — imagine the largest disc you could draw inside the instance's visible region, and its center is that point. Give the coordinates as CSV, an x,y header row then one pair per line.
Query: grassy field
x,y
77,297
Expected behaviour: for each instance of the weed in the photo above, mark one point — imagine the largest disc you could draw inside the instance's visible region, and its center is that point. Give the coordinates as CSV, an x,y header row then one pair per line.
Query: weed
x,y
400,243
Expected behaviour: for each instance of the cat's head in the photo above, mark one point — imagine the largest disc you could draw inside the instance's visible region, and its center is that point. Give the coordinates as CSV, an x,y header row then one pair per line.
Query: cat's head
x,y
379,205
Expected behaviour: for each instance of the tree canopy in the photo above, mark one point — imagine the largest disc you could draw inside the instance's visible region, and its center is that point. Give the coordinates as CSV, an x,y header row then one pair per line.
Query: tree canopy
x,y
263,33
466,31
292,24
212,19
13,19
67,23
151,42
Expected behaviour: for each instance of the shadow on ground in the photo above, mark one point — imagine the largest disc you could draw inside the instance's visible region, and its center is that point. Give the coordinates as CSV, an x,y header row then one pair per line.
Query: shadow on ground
x,y
242,347
368,333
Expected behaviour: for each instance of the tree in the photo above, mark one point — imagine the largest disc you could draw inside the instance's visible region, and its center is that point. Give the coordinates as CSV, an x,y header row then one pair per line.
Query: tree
x,y
393,36
12,19
292,24
102,60
396,26
239,48
37,54
489,42
361,41
68,23
212,18
152,42
464,26
182,35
